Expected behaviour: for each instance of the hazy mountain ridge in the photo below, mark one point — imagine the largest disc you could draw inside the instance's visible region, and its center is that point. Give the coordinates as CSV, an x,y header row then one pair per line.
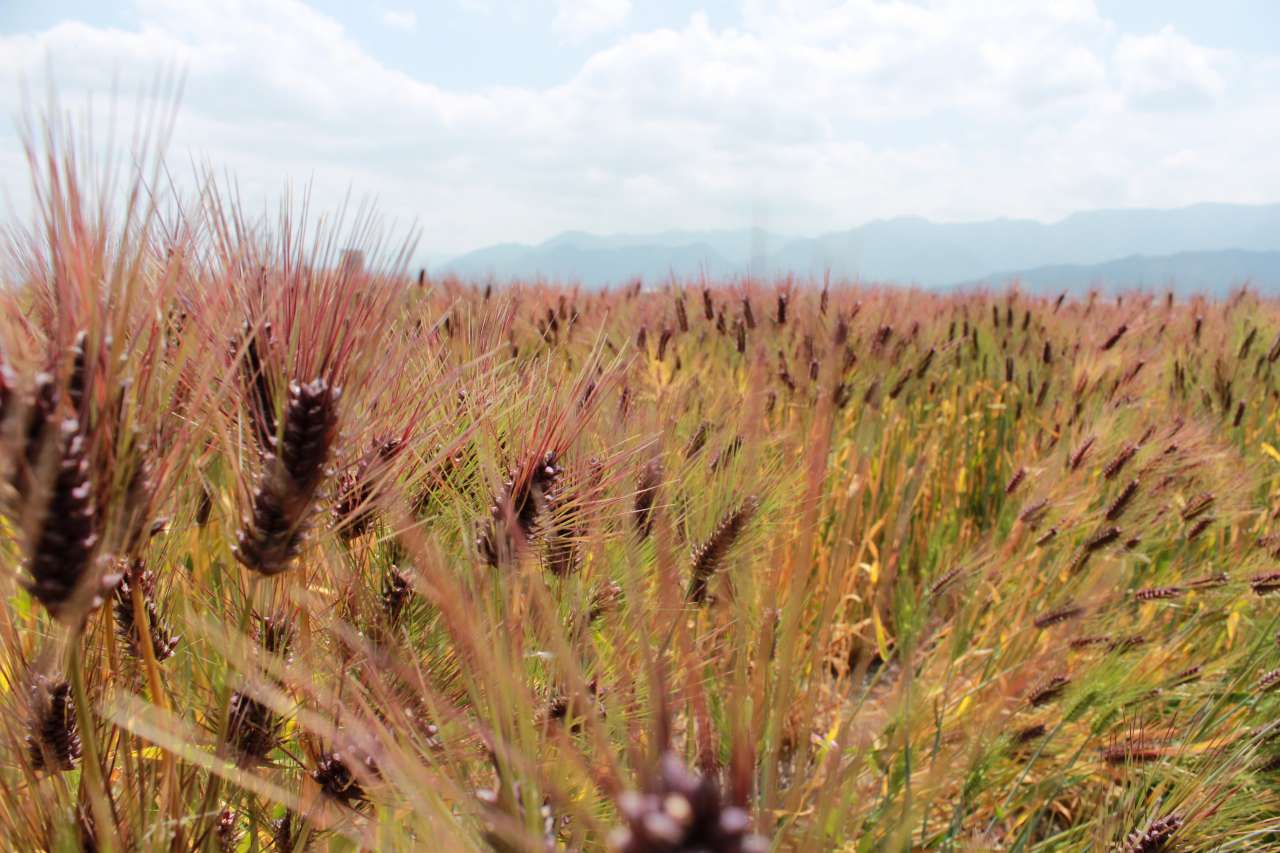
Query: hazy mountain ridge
x,y
1211,273
909,250
593,266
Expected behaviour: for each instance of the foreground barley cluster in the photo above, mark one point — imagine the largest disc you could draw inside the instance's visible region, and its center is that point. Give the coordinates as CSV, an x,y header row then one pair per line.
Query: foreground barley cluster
x,y
303,554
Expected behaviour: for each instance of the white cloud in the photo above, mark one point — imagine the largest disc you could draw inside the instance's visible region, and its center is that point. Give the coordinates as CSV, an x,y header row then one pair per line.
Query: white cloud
x,y
825,113
405,20
1165,70
579,20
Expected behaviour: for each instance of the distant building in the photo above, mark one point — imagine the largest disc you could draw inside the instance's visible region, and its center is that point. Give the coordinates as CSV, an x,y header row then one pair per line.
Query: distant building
x,y
352,261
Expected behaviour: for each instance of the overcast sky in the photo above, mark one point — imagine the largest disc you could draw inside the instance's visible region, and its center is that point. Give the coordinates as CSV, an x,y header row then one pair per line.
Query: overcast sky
x,y
495,120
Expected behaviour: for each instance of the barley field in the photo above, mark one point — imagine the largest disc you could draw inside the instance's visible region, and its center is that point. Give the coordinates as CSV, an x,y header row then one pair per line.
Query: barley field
x,y
304,552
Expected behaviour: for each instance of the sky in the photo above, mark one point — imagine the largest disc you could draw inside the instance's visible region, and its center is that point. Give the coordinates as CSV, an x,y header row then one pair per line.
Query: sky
x,y
487,121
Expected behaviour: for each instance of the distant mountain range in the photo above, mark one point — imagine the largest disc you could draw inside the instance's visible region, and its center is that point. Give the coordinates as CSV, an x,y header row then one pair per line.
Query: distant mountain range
x,y
1193,248
1210,273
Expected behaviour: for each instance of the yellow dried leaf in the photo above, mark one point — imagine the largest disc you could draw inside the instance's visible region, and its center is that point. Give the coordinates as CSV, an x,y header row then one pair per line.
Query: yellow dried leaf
x,y
882,639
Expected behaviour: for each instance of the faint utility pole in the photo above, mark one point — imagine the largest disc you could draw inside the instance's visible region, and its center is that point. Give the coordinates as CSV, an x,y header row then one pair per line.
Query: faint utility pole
x,y
758,264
